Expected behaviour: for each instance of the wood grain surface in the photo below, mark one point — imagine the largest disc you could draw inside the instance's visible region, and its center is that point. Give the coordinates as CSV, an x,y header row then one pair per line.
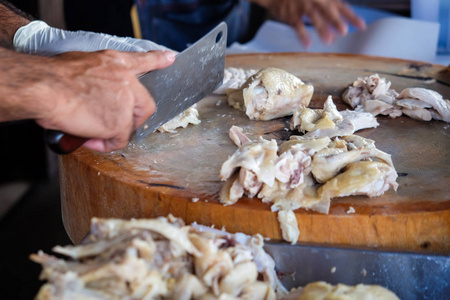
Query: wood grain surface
x,y
166,173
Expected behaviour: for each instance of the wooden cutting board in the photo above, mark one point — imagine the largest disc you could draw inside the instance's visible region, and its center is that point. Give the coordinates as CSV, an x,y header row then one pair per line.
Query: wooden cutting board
x,y
167,173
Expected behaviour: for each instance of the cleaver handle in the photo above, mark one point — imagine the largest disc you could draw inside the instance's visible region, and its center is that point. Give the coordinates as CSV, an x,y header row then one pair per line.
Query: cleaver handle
x,y
62,143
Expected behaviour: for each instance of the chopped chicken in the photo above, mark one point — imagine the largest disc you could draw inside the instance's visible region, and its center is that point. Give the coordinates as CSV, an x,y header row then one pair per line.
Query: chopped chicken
x,y
234,78
134,260
329,161
360,120
413,104
370,178
330,122
271,93
189,116
321,290
307,119
139,259
304,196
440,108
372,94
302,171
420,114
237,136
258,290
232,190
289,226
255,161
258,157
351,210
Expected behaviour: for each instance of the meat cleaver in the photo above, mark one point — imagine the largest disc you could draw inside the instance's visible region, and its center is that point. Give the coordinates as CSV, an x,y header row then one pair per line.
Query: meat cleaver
x,y
196,73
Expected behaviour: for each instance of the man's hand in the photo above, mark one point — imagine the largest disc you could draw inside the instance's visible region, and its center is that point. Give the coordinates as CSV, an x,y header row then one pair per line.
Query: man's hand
x,y
93,95
327,16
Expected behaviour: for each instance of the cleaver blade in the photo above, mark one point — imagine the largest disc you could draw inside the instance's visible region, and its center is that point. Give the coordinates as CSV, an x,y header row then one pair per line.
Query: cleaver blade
x,y
196,73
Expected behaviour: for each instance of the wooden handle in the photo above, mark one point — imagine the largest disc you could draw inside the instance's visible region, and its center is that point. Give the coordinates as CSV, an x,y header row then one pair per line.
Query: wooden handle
x,y
63,143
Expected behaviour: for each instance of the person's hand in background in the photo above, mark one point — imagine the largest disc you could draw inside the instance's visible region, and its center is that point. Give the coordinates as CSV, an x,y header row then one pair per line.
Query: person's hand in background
x,y
39,38
327,16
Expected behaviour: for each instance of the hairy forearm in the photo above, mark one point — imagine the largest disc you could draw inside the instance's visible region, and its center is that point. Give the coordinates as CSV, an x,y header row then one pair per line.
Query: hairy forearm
x,y
22,82
11,19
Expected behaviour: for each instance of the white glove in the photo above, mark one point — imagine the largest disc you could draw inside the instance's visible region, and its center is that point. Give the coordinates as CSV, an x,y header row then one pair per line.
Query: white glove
x,y
39,38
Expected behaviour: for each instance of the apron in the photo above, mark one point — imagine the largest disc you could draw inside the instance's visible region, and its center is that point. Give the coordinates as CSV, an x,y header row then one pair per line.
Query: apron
x,y
177,24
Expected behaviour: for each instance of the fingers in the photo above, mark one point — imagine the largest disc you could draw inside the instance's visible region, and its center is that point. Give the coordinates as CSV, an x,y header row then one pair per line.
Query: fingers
x,y
148,61
98,145
327,16
101,145
350,15
144,105
332,14
100,96
303,33
322,27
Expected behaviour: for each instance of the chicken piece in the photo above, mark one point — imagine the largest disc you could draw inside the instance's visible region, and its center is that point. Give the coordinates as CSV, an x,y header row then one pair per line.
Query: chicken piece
x,y
188,287
307,119
310,146
232,190
304,196
189,116
354,95
237,135
330,122
440,105
292,167
294,164
323,291
235,280
258,291
271,93
294,161
264,262
152,286
250,182
372,94
227,265
240,254
360,120
412,104
368,178
328,162
253,161
420,114
378,107
213,264
289,226
342,129
108,228
258,157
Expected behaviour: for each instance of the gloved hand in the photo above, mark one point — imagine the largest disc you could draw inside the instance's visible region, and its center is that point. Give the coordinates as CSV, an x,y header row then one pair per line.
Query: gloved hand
x,y
39,38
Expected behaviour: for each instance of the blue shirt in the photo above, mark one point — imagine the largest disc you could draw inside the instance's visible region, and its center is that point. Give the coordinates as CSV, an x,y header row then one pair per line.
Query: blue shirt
x,y
178,23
